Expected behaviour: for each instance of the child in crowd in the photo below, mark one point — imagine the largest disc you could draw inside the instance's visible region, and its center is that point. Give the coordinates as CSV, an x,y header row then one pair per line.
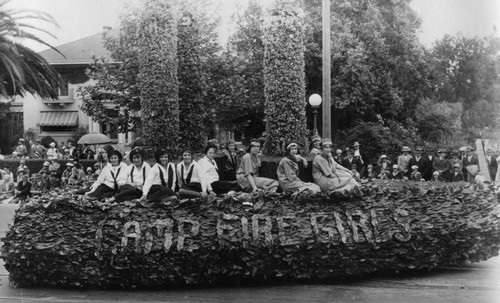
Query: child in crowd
x,y
415,175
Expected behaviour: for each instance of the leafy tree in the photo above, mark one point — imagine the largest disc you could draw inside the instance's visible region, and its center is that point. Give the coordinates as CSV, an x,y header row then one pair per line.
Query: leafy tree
x,y
241,84
466,71
284,80
22,70
157,79
114,95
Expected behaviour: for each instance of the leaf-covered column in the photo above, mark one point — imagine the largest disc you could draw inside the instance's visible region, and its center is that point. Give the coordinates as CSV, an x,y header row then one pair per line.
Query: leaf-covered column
x,y
191,84
284,78
158,76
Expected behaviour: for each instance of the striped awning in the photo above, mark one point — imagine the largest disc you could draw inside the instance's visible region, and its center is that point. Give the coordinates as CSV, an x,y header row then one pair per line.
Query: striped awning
x,y
59,119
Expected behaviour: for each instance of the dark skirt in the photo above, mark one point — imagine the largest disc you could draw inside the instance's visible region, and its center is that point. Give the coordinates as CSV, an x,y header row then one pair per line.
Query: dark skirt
x,y
159,192
103,192
193,186
128,192
223,187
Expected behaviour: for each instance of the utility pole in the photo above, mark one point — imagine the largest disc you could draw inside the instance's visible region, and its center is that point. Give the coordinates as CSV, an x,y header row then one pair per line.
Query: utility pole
x,y
327,103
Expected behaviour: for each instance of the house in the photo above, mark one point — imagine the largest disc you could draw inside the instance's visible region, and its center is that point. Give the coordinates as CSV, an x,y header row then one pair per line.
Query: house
x,y
62,119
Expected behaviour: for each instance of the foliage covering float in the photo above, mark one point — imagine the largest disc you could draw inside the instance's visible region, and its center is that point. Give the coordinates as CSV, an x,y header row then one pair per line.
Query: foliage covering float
x,y
284,78
58,242
158,76
192,87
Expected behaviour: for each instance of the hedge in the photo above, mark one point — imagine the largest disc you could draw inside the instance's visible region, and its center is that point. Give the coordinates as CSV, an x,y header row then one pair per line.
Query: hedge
x,y
56,241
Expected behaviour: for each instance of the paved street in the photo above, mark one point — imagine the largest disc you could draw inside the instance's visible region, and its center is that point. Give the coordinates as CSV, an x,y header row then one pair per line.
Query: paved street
x,y
475,283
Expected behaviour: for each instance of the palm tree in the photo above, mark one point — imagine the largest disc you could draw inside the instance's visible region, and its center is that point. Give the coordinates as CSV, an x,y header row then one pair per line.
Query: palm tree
x,y
21,69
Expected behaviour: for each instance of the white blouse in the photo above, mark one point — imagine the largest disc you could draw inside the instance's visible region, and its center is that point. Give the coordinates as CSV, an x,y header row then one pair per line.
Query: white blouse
x,y
137,177
153,177
209,173
106,176
183,173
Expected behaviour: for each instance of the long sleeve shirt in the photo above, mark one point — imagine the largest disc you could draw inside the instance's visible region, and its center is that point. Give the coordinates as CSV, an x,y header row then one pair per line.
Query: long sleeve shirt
x,y
186,175
209,173
154,177
137,176
110,174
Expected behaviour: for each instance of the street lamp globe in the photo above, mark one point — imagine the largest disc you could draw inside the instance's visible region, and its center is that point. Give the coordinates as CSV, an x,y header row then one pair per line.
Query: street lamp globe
x,y
315,100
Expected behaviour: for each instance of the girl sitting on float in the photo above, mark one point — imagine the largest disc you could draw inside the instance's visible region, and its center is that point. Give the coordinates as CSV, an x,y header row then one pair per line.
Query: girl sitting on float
x,y
188,177
209,176
331,176
136,178
161,181
288,173
111,178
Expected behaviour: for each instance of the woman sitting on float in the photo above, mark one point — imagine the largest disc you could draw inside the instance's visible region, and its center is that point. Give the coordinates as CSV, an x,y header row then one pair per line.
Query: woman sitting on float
x,y
136,178
188,178
209,176
111,178
161,180
248,172
288,173
331,176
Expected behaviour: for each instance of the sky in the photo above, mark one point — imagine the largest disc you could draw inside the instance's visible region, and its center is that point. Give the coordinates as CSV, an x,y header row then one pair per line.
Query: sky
x,y
81,18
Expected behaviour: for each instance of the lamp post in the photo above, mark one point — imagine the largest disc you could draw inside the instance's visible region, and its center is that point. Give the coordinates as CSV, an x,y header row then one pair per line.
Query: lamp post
x,y
315,102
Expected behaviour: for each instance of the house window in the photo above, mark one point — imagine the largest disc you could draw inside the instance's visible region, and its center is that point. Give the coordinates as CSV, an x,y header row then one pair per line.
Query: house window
x,y
63,89
109,130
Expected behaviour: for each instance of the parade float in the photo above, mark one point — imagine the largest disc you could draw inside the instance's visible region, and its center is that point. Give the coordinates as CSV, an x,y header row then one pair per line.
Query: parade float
x,y
58,241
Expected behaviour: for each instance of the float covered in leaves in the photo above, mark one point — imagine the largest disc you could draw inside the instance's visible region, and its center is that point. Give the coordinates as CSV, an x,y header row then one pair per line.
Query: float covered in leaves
x,y
60,242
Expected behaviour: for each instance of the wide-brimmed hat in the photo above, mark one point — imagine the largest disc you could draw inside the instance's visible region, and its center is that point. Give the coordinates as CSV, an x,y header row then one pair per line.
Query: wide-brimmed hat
x,y
69,164
406,149
338,151
414,167
326,142
456,165
383,157
470,148
395,166
419,149
441,150
356,144
463,148
435,173
455,153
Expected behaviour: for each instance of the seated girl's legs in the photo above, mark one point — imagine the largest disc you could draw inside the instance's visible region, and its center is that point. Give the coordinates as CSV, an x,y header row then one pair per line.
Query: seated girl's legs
x,y
127,192
223,187
103,192
266,183
191,190
159,193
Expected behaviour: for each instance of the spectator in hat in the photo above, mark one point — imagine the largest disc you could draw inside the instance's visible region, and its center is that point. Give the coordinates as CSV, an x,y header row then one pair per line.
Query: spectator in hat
x,y
87,152
23,189
66,175
463,152
20,151
491,161
316,149
22,166
404,161
338,156
355,173
52,151
415,174
441,164
54,166
396,173
6,181
351,160
470,165
422,162
370,173
39,151
54,181
456,174
455,159
383,166
361,155
436,177
46,165
78,176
